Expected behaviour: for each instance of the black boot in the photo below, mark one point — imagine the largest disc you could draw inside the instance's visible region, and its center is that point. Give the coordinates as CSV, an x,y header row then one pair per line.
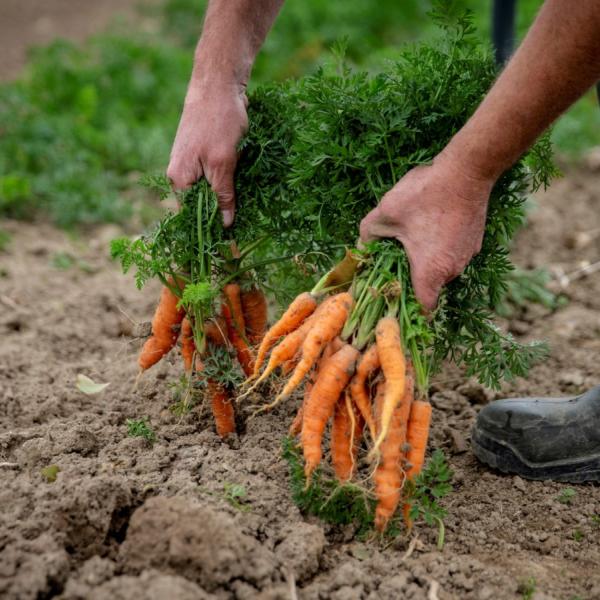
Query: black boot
x,y
542,438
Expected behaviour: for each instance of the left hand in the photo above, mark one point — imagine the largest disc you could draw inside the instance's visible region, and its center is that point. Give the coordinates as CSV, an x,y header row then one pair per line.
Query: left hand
x,y
438,213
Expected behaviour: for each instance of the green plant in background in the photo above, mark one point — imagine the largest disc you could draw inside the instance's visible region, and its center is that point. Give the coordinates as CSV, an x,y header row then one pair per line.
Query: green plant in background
x,y
524,287
566,495
578,535
83,119
235,494
527,588
50,473
141,428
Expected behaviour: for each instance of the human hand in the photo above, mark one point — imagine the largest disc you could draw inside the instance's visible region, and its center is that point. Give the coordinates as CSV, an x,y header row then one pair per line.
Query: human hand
x,y
212,123
438,213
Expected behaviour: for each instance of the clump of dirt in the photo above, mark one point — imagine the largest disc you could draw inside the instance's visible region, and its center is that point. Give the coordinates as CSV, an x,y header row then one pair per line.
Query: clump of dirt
x,y
123,515
192,540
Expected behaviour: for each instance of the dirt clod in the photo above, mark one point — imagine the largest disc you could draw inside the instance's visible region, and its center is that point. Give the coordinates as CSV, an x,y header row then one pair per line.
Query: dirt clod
x,y
181,536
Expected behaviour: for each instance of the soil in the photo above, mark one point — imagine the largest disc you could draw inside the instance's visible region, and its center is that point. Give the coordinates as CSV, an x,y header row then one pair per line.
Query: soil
x,y
127,519
26,23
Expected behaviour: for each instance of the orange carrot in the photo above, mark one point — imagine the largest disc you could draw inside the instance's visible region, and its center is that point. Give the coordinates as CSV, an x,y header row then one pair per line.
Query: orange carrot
x,y
188,348
222,407
286,350
165,330
236,327
254,307
332,379
345,434
417,436
393,365
296,426
389,476
304,305
324,329
368,363
216,332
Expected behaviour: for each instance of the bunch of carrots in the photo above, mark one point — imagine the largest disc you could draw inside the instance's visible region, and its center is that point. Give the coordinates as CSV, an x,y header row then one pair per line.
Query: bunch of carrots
x,y
346,348
240,325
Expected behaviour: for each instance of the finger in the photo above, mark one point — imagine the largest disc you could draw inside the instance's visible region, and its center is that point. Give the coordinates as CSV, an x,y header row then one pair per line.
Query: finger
x,y
427,283
373,227
223,187
183,174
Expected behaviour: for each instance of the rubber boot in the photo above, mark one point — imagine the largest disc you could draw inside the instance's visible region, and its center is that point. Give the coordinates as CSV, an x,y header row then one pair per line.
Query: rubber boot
x,y
542,438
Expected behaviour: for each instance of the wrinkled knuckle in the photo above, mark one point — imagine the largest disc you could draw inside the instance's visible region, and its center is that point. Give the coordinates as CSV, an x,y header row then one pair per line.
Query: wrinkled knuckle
x,y
225,198
386,211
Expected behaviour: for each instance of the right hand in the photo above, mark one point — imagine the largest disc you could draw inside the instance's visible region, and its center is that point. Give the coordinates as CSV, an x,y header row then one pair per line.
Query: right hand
x,y
213,121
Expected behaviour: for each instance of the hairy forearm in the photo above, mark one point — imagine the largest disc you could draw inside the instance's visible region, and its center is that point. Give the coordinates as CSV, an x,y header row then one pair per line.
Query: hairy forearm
x,y
556,63
233,33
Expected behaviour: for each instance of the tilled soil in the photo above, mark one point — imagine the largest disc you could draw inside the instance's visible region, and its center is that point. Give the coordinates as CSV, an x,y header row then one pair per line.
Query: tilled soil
x,y
126,519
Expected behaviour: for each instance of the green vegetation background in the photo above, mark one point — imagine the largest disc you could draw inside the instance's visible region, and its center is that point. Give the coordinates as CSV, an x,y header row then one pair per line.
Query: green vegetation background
x,y
83,122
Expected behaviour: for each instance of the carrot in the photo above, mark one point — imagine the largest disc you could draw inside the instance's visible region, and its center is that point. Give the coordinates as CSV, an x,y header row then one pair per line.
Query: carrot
x,y
336,344
389,474
332,379
367,364
345,433
165,330
188,348
254,309
286,350
236,327
215,332
222,407
320,334
296,426
303,306
416,437
393,365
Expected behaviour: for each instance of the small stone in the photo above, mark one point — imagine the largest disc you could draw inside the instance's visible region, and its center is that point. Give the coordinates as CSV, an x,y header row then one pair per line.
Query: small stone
x,y
519,484
574,378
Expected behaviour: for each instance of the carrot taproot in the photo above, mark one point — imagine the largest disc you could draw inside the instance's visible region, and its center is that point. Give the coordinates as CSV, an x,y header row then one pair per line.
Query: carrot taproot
x,y
188,347
236,327
417,435
345,433
303,306
286,350
331,381
215,331
165,329
324,329
389,475
254,309
393,365
296,426
367,365
221,406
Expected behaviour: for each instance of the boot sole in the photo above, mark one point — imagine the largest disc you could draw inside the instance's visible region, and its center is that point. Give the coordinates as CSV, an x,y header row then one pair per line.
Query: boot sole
x,y
505,459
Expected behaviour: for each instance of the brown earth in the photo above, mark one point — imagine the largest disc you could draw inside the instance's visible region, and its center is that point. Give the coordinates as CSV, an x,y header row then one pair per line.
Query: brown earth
x,y
127,520
26,23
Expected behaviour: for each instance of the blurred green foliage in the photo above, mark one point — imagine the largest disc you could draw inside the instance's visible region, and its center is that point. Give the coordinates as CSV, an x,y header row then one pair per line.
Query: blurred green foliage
x,y
83,121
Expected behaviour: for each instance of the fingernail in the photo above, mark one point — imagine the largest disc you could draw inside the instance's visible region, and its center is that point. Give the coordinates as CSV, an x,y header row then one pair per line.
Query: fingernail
x,y
227,217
